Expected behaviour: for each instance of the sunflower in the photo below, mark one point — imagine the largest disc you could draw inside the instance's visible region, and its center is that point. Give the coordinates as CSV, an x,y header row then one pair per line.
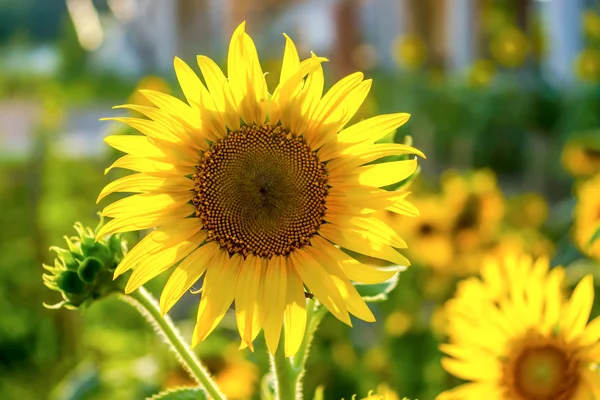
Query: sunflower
x,y
478,205
581,158
430,233
587,217
510,47
514,336
258,192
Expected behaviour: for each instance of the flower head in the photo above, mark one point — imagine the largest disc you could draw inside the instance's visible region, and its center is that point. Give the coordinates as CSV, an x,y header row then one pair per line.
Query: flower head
x,y
255,192
514,336
587,217
510,47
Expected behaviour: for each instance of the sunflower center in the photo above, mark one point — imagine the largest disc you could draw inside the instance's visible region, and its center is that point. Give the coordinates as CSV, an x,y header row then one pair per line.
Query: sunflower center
x,y
543,372
260,191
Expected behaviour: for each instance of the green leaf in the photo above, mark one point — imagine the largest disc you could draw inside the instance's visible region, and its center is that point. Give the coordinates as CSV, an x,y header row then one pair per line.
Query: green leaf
x,y
594,237
377,291
183,393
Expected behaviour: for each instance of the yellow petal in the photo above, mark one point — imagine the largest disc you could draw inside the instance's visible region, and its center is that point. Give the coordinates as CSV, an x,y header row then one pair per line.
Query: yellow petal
x,y
373,129
353,269
362,242
294,316
142,164
591,334
291,60
188,81
217,294
135,222
247,292
388,173
553,301
329,113
353,302
139,183
320,283
219,87
373,226
186,274
157,241
146,203
149,128
354,156
274,300
150,267
578,308
404,207
175,108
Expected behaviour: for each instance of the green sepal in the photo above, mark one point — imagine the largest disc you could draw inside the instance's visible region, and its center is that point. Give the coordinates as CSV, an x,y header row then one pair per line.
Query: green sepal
x,y
183,393
378,291
89,269
69,282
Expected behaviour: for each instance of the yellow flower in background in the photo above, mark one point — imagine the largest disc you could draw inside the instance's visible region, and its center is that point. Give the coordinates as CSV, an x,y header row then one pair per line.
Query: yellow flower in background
x,y
590,22
581,158
587,65
250,190
587,217
514,336
398,323
384,392
477,204
510,47
409,51
481,73
523,240
430,234
239,379
528,210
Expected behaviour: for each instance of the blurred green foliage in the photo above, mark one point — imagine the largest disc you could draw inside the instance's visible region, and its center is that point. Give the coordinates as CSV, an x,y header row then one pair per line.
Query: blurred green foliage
x,y
515,123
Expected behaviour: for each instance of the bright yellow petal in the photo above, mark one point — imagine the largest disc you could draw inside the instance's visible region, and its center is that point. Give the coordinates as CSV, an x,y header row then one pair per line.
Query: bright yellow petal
x,y
142,164
294,316
320,283
353,302
150,267
362,242
139,183
353,269
247,300
188,81
291,60
146,221
146,203
186,274
274,300
373,129
578,309
388,173
157,241
217,294
219,87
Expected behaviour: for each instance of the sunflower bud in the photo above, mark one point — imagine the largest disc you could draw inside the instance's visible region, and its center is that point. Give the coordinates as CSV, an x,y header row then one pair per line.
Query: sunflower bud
x,y
83,272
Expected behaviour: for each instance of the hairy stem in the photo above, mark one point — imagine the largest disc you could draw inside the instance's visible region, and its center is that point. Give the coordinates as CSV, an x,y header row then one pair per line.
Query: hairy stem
x,y
143,301
289,372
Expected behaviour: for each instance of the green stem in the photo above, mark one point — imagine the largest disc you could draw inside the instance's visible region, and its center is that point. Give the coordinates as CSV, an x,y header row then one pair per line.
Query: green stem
x,y
143,301
290,371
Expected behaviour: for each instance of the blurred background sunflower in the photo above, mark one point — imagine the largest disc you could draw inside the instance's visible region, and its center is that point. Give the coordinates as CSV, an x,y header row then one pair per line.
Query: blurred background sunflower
x,y
504,98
